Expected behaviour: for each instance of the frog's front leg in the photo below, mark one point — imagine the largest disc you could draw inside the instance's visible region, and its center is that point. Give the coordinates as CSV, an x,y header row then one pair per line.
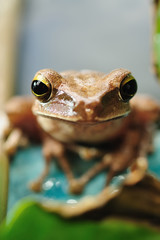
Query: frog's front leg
x,y
10,138
52,148
55,149
15,139
21,127
133,154
77,185
140,165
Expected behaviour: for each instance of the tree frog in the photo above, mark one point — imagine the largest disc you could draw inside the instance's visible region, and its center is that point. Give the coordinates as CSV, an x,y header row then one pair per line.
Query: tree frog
x,y
91,113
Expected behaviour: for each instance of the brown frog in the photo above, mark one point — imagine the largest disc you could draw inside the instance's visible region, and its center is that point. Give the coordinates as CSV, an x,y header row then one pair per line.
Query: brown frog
x,y
89,113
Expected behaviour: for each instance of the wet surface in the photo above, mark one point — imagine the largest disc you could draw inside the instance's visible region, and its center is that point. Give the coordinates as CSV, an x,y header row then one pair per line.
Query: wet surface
x,y
28,164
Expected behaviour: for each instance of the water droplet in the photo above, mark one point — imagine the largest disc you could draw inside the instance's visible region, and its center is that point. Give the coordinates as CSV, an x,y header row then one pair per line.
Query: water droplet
x,y
48,184
71,201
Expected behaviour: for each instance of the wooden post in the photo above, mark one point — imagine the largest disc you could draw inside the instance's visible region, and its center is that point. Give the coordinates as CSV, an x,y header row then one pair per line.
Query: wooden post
x,y
9,25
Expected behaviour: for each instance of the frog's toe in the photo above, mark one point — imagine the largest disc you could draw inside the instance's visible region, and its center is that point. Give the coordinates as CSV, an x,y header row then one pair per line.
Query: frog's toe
x,y
138,171
35,186
76,187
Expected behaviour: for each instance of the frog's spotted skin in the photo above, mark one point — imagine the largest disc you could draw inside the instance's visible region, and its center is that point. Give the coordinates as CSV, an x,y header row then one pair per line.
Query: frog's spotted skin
x,y
88,112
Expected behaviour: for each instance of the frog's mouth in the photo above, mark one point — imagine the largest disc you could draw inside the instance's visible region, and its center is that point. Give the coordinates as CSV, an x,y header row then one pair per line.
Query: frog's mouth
x,y
69,130
82,113
80,120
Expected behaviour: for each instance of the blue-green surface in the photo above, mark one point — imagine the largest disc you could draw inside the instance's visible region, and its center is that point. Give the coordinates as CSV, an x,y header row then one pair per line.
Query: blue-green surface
x,y
28,164
154,159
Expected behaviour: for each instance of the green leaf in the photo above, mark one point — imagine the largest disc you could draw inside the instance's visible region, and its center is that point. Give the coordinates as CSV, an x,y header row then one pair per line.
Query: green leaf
x,y
29,222
4,166
156,39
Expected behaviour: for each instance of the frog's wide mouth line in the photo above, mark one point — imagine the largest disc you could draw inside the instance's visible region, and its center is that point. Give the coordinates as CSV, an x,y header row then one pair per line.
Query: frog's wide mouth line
x,y
80,121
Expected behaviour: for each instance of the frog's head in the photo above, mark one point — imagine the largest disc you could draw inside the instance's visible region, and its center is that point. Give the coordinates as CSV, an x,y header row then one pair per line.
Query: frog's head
x,y
84,96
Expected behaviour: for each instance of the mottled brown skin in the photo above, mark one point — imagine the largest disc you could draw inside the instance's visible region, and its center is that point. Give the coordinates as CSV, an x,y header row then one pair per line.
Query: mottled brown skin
x,y
85,113
19,112
79,96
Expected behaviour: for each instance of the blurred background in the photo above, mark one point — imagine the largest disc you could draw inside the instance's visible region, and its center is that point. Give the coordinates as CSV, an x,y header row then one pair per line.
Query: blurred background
x,y
100,35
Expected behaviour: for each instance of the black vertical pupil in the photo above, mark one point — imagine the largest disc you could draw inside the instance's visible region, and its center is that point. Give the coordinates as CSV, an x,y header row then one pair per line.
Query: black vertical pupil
x,y
39,87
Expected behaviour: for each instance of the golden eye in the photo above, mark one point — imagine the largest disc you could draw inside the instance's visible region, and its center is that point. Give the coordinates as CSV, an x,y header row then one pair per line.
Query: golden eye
x,y
41,88
128,88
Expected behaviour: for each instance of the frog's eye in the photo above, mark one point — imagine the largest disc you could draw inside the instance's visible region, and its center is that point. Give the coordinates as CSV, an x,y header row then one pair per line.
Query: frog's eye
x,y
41,88
128,88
